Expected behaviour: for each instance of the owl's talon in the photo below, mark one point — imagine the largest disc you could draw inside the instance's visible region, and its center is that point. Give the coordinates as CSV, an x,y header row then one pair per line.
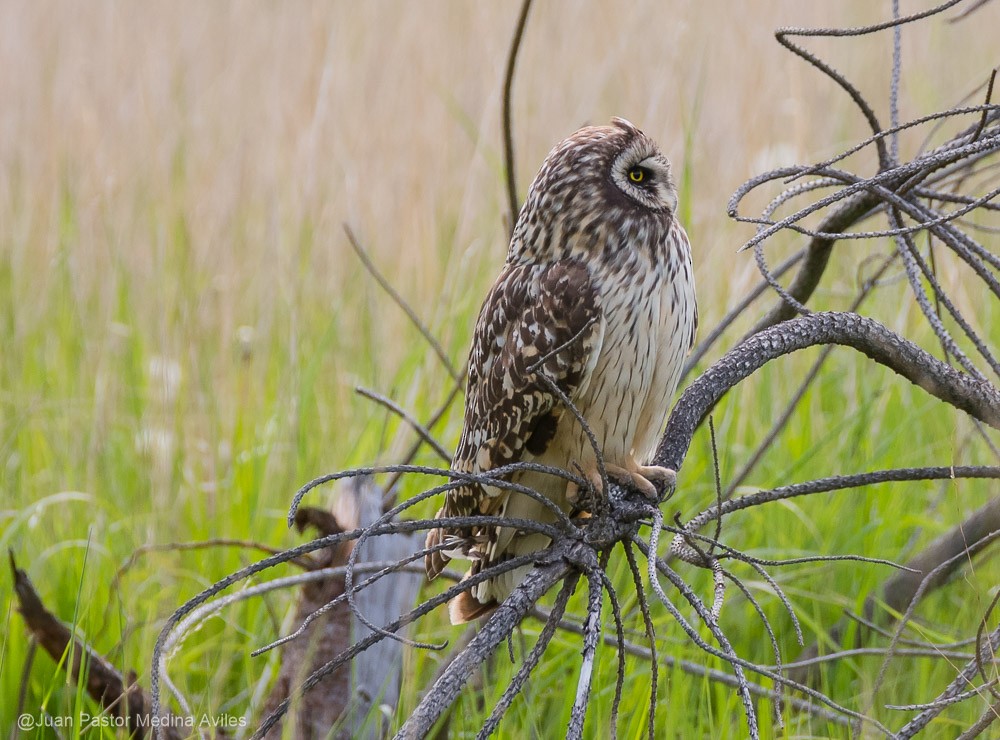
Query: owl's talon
x,y
665,476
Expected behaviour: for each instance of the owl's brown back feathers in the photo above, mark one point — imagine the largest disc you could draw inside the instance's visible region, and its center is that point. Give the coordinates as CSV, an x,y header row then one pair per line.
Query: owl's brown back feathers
x,y
533,313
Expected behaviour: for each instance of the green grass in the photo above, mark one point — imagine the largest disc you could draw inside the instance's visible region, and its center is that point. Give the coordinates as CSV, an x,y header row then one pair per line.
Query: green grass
x,y
182,324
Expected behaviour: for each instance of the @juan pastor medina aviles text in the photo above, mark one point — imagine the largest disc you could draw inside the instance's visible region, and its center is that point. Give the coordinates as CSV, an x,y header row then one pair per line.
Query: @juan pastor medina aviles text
x,y
28,721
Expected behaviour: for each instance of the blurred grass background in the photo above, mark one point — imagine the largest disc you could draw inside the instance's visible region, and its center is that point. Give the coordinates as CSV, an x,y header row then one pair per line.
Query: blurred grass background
x,y
182,321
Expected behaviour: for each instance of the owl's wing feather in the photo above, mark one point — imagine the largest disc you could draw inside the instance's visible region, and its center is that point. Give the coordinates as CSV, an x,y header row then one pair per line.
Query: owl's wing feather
x,y
533,312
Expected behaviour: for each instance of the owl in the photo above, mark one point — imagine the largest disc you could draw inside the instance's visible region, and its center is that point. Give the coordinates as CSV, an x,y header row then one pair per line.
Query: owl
x,y
597,295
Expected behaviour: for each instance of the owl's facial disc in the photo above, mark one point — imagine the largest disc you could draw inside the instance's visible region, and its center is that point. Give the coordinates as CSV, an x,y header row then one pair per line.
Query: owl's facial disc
x,y
643,175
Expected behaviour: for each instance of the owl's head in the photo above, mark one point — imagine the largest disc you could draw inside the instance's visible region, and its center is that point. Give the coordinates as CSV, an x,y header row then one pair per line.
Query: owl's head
x,y
640,171
604,189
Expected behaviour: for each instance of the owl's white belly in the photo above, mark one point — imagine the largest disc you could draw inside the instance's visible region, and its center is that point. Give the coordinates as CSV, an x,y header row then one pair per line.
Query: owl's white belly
x,y
648,323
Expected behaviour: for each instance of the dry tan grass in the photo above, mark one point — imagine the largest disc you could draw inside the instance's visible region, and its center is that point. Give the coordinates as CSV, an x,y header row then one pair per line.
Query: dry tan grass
x,y
386,114
210,151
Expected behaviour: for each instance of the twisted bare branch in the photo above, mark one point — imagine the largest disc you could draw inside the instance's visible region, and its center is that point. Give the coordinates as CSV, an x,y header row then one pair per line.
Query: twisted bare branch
x,y
976,397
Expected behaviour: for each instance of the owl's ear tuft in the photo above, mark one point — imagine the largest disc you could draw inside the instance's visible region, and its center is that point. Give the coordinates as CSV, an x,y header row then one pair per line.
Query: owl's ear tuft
x,y
625,125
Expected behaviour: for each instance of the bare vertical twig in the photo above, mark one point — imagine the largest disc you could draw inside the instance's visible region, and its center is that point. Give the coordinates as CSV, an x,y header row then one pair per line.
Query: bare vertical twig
x,y
508,125
591,635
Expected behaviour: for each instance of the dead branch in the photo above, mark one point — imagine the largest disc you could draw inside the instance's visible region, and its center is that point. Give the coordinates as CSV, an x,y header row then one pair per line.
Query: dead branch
x,y
899,591
521,677
968,11
962,681
988,717
120,696
401,302
494,632
816,259
422,431
779,424
977,398
391,489
695,669
321,709
345,700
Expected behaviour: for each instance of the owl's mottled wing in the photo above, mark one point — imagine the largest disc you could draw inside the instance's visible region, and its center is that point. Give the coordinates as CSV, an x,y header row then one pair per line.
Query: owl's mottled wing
x,y
533,312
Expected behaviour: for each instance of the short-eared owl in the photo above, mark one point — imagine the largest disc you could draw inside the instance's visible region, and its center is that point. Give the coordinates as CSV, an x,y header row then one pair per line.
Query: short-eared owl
x,y
598,286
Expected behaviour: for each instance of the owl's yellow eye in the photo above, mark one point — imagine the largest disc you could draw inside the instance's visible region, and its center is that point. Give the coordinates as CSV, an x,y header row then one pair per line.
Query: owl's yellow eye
x,y
637,174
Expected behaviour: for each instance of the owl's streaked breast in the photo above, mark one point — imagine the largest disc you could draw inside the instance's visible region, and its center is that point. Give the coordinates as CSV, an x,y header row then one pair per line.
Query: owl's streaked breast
x,y
647,308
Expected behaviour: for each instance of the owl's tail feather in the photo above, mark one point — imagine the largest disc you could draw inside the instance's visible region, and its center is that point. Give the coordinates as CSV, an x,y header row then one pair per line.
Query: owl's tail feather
x,y
447,544
479,600
465,607
487,547
434,562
